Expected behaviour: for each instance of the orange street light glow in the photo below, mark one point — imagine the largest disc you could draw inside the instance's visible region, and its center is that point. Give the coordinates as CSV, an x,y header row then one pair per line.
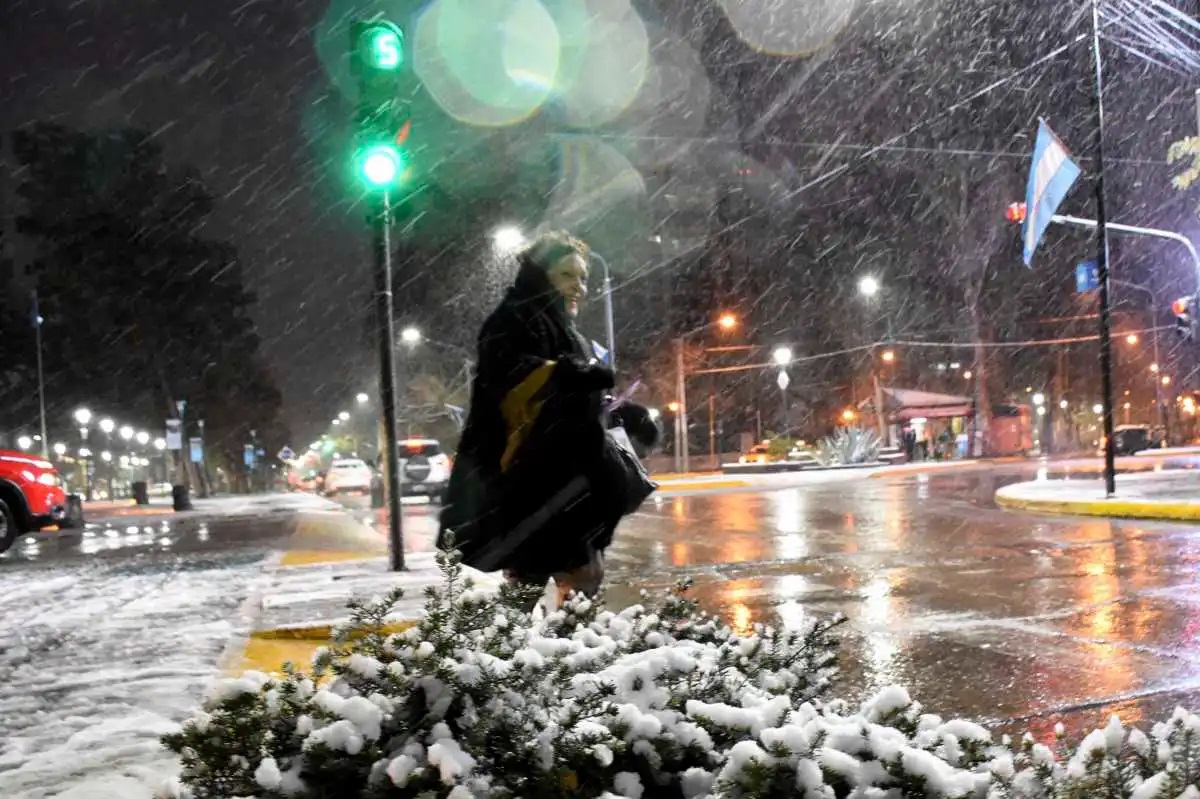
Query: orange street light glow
x,y
727,321
888,356
673,407
848,414
1132,338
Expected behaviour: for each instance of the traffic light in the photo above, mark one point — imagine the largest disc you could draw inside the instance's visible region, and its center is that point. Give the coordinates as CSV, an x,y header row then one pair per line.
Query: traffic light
x,y
1184,309
377,58
1015,212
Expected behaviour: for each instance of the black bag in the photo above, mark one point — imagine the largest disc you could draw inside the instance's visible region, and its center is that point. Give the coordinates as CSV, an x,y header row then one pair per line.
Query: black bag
x,y
628,477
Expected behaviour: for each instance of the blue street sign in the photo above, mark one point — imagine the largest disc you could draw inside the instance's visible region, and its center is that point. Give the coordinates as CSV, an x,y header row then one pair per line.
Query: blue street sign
x,y
196,447
1087,277
248,455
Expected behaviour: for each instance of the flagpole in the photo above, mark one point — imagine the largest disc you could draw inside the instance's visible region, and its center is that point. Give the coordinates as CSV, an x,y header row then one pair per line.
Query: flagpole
x,y
1110,471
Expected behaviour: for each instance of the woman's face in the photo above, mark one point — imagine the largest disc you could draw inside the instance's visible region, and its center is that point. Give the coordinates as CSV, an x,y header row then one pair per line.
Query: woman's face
x,y
569,275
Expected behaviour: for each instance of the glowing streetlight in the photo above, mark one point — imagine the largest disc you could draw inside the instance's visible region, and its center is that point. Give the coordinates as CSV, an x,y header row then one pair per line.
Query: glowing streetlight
x,y
727,321
1039,399
782,356
159,443
1041,410
887,356
106,456
344,416
337,422
848,415
967,375
107,425
1131,339
1063,404
868,286
126,432
1097,409
83,416
508,238
673,407
1154,368
60,449
1166,380
24,442
143,438
410,335
362,398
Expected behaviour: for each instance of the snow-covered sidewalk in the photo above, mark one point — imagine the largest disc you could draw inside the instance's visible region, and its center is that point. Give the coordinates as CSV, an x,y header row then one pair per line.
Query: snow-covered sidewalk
x,y
97,663
1155,495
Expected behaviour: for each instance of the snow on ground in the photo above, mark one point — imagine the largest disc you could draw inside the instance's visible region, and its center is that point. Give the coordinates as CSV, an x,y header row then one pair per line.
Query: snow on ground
x,y
1175,487
97,661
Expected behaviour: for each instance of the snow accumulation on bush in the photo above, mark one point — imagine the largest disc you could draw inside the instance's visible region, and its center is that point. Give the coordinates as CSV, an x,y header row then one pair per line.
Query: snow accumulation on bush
x,y
480,699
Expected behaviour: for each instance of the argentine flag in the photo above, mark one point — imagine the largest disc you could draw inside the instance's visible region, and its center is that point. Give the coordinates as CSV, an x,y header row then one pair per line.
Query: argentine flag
x,y
1050,178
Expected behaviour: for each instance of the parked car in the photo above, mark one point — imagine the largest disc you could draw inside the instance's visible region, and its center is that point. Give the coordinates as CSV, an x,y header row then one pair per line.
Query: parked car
x,y
424,468
347,476
33,496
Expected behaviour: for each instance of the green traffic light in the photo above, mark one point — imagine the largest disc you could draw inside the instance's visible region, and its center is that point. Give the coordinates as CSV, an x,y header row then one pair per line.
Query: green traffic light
x,y
381,165
384,46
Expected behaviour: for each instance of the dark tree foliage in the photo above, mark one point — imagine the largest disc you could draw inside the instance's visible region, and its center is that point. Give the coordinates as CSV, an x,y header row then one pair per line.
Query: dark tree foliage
x,y
142,306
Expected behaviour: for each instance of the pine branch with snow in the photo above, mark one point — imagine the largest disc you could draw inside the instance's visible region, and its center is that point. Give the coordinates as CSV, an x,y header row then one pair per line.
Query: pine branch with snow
x,y
480,699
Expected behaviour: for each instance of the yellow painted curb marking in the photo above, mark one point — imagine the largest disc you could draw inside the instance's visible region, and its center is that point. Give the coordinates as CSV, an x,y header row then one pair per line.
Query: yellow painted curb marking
x,y
1115,508
268,650
700,486
312,557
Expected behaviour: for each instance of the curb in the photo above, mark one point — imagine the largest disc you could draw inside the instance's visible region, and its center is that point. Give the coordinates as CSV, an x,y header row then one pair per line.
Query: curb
x,y
701,485
268,650
1112,508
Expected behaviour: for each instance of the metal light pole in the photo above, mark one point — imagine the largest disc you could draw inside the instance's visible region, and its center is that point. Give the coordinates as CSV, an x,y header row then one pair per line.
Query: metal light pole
x,y
609,332
681,445
1158,399
1110,452
381,251
37,335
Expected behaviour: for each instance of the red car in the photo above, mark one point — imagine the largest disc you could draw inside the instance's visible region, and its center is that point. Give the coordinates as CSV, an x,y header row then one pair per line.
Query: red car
x,y
32,496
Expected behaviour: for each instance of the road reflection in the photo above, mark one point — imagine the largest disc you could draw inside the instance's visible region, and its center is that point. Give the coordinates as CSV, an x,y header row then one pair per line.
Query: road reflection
x,y
982,611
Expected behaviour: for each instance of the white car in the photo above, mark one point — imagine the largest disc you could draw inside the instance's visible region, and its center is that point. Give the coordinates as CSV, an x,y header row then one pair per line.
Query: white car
x,y
424,468
349,475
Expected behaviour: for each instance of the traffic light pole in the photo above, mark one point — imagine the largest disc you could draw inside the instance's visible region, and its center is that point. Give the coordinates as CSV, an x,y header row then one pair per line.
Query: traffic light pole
x,y
1110,447
381,252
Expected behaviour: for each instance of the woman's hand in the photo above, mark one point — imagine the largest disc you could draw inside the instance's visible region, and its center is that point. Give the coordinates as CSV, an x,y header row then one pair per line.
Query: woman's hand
x,y
577,376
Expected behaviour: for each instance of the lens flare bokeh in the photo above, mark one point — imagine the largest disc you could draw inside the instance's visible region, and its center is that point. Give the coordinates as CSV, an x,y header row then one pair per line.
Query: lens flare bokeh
x,y
788,27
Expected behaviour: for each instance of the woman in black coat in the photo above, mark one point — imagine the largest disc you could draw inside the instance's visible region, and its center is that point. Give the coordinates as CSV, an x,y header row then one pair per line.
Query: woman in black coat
x,y
530,492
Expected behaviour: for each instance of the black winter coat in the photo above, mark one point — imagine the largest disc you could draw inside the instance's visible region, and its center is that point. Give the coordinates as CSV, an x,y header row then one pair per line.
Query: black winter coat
x,y
528,492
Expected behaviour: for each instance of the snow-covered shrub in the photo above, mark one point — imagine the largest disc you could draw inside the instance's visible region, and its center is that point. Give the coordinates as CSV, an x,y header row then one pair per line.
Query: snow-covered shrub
x,y
481,700
848,445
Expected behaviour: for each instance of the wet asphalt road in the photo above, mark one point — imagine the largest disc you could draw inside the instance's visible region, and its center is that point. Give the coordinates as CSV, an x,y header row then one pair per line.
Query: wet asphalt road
x,y
979,611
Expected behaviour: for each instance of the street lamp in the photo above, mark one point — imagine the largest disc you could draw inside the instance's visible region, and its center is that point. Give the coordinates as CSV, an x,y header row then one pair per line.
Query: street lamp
x,y
344,416
83,416
887,356
1039,399
159,443
106,456
143,438
24,442
727,321
868,286
782,356
107,425
967,375
362,398
1131,339
410,336
126,432
60,449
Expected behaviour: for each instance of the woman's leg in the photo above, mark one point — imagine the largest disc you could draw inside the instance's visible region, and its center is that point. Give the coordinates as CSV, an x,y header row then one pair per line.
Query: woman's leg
x,y
585,580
